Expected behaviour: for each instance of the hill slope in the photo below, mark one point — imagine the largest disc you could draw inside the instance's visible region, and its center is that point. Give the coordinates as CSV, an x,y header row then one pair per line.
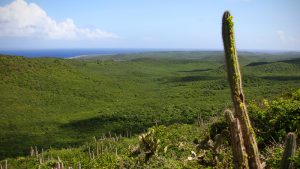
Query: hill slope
x,y
177,145
56,102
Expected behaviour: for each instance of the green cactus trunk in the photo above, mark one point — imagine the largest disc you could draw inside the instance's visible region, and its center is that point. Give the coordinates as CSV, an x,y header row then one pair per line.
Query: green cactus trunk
x,y
237,143
235,80
289,151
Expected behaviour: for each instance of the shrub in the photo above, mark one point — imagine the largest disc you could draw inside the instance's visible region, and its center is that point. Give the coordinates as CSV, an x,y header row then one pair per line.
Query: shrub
x,y
272,120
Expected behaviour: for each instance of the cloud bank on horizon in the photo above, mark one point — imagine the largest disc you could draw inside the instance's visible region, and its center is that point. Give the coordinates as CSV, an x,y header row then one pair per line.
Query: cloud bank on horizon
x,y
22,19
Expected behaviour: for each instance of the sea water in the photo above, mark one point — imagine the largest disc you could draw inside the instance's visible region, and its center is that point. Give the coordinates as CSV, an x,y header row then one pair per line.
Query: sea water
x,y
68,53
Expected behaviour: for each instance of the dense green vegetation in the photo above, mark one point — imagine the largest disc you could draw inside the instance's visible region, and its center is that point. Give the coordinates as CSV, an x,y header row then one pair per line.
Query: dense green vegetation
x,y
173,146
272,120
63,103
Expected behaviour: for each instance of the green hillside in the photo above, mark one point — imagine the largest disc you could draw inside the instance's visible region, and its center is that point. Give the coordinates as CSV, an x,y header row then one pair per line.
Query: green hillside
x,y
63,103
176,145
216,56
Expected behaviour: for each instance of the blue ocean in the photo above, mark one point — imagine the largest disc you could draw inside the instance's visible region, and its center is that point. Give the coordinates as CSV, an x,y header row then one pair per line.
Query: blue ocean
x,y
67,53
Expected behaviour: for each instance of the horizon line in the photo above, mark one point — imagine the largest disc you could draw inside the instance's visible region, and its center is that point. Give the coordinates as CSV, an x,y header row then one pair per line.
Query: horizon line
x,y
151,49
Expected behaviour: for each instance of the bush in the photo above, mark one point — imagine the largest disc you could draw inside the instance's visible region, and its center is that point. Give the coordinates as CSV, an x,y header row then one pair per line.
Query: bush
x,y
272,120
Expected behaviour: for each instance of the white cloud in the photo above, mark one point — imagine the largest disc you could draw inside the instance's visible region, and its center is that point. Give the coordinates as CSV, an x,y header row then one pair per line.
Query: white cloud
x,y
281,35
286,38
22,19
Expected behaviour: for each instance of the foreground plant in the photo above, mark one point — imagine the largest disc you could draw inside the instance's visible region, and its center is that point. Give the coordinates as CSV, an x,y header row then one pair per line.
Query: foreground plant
x,y
244,146
148,145
289,151
235,81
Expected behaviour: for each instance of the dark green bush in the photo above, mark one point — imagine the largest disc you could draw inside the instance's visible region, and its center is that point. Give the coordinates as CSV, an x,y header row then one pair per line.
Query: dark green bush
x,y
272,120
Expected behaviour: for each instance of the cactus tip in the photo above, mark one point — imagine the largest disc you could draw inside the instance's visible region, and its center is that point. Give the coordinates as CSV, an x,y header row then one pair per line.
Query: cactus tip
x,y
229,116
226,15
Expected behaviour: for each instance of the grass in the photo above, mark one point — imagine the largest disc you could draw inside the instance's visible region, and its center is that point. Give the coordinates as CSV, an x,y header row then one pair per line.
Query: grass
x,y
63,103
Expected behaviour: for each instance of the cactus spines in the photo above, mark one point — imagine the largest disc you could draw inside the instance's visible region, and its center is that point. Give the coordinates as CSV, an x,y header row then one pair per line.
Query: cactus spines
x,y
289,151
235,81
237,142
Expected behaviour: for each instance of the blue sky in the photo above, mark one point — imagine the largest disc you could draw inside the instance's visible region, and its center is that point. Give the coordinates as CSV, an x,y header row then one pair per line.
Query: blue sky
x,y
175,24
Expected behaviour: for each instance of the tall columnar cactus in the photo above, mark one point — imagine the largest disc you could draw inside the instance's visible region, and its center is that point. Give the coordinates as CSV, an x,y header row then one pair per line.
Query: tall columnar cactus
x,y
235,81
237,143
289,151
